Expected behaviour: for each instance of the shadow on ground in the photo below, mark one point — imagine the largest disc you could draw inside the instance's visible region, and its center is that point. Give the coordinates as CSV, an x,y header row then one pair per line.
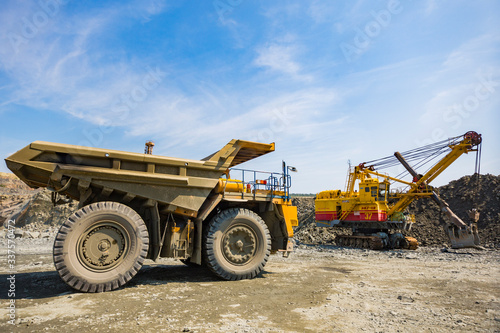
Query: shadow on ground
x,y
39,285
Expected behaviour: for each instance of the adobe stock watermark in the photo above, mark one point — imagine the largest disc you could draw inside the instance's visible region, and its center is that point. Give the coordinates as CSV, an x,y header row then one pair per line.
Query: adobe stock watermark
x,y
31,25
279,121
457,113
371,30
11,272
225,7
121,109
482,92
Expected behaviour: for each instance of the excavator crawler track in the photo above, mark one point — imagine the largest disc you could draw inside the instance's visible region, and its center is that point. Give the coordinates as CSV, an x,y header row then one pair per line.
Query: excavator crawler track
x,y
373,242
361,242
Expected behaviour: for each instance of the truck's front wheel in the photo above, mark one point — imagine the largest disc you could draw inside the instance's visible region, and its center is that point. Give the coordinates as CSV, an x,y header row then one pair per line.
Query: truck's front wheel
x,y
237,244
101,247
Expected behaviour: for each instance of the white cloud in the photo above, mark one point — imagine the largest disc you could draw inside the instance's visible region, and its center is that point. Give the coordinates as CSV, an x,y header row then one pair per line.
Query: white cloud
x,y
266,121
321,11
474,53
278,58
458,78
147,9
62,67
430,6
281,57
319,111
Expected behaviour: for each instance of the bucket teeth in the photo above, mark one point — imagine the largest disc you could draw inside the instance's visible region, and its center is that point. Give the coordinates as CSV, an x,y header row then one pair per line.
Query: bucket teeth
x,y
463,237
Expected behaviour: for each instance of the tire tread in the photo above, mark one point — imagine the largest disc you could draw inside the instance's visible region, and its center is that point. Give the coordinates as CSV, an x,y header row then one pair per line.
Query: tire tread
x,y
79,282
215,225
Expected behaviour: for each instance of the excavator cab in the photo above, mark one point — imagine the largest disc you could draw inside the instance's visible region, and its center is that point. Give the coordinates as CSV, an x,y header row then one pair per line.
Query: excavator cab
x,y
369,190
374,190
383,190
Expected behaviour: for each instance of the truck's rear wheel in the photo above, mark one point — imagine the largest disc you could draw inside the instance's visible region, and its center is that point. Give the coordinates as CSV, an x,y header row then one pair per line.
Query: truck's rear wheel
x,y
101,247
237,244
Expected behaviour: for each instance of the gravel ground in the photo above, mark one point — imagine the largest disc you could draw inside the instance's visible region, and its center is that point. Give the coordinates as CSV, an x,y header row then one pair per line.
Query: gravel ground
x,y
316,289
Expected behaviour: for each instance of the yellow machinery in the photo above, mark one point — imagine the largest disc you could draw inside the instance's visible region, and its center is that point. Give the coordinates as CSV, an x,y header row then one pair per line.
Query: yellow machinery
x,y
134,207
377,216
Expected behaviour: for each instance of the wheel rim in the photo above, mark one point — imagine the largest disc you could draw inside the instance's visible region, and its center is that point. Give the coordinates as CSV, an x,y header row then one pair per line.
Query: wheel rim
x,y
239,245
103,246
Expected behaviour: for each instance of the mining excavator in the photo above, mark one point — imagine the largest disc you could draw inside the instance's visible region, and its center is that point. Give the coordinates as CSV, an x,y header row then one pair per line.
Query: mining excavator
x,y
378,216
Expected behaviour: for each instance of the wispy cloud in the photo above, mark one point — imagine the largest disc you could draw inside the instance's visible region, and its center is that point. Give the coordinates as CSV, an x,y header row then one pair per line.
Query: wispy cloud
x,y
458,76
278,58
146,9
321,11
282,58
430,7
268,120
63,67
174,73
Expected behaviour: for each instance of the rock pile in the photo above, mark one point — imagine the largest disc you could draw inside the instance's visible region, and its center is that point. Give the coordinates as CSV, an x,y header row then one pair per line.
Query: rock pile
x,y
39,212
11,185
307,232
32,210
462,195
14,194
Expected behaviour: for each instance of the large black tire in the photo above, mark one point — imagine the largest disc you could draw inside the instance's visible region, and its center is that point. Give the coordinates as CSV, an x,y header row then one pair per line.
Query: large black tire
x,y
101,247
237,244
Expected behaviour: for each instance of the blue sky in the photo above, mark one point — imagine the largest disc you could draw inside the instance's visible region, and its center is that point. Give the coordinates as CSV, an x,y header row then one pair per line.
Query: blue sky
x,y
328,81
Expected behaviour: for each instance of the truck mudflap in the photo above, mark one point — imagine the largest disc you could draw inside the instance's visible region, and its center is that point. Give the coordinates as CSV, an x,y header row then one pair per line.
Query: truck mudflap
x,y
463,237
289,249
289,214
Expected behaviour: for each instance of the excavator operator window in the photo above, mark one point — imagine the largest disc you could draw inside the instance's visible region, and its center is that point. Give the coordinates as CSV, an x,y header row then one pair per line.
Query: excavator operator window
x,y
382,192
374,191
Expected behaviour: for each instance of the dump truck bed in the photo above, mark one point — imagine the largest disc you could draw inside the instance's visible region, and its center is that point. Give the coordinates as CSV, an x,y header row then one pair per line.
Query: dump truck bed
x,y
179,185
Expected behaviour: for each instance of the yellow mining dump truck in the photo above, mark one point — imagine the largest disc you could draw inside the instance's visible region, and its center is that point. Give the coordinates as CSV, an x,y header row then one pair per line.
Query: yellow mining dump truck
x,y
377,216
135,206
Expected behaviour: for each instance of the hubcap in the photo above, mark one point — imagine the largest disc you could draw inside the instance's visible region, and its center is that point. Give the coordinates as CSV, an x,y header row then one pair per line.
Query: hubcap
x,y
103,246
239,245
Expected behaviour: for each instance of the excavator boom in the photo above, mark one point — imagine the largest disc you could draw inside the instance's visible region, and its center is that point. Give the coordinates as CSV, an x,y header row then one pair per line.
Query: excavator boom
x,y
460,234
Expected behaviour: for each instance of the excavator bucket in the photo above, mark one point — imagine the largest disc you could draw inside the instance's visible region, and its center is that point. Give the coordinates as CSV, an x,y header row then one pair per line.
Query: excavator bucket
x,y
463,237
460,234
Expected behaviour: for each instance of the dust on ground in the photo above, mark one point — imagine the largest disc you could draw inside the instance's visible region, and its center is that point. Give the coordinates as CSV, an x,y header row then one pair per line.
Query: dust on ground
x,y
318,288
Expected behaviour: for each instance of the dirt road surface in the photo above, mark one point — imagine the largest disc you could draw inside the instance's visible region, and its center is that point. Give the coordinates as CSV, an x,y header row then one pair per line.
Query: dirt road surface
x,y
316,289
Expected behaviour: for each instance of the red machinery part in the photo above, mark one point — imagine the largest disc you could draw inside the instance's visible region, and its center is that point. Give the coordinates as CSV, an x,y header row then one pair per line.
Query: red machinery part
x,y
474,137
